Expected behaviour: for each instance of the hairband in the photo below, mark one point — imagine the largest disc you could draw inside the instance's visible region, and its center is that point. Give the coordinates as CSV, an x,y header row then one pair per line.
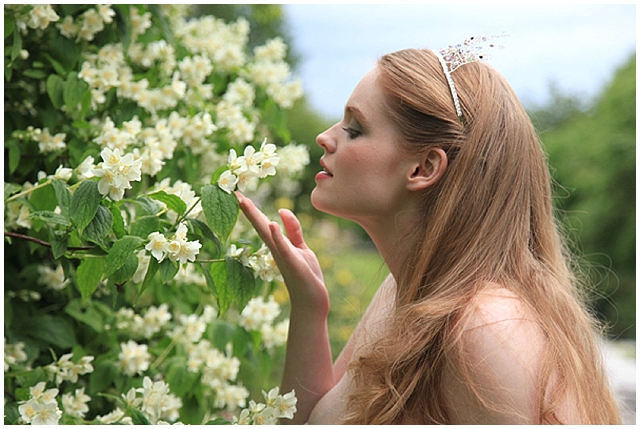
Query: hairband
x,y
455,56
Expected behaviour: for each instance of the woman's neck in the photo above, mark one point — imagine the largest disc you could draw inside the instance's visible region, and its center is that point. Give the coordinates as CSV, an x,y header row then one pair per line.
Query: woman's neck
x,y
395,238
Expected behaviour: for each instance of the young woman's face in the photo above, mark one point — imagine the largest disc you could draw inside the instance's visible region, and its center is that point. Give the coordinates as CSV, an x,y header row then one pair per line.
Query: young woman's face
x,y
364,168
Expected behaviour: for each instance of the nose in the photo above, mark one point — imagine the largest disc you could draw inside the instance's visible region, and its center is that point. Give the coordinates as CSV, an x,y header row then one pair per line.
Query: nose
x,y
326,141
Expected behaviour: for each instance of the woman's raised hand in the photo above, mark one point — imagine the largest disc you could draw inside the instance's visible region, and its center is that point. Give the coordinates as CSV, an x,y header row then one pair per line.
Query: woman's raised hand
x,y
298,264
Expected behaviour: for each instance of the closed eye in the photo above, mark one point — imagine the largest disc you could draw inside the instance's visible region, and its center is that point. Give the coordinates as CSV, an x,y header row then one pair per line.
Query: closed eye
x,y
352,133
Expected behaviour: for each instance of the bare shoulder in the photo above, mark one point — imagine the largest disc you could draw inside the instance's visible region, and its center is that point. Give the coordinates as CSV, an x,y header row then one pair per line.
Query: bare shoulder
x,y
499,355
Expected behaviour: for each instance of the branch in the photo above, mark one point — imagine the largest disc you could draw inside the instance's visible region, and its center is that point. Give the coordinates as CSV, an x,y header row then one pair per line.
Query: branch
x,y
42,243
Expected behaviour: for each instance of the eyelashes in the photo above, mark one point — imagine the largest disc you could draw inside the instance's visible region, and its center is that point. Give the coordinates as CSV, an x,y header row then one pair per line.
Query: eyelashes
x,y
352,133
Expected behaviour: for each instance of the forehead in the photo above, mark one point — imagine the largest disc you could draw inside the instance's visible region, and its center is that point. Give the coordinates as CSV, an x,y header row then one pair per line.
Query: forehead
x,y
367,97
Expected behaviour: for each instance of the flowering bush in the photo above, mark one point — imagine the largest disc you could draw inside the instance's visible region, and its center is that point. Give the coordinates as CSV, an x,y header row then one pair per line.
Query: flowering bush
x,y
133,291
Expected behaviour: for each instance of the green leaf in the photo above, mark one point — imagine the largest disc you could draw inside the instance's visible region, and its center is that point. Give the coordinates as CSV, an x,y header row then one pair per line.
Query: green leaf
x,y
207,234
14,155
99,226
103,374
173,202
16,47
181,380
58,247
151,272
217,282
137,417
55,89
10,188
240,281
88,276
124,273
118,221
220,209
145,225
57,66
52,330
84,204
119,253
34,74
63,195
74,92
44,198
87,315
49,217
168,270
9,25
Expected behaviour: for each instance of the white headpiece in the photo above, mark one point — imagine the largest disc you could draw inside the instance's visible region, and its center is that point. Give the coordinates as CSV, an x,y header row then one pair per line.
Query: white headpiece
x,y
455,56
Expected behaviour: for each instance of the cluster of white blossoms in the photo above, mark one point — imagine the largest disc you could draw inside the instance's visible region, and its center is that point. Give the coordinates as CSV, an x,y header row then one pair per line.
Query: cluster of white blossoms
x,y
261,262
186,194
277,406
42,407
38,17
257,312
178,248
67,370
88,24
116,172
270,70
48,143
245,170
219,370
143,326
75,404
13,354
134,358
52,279
155,401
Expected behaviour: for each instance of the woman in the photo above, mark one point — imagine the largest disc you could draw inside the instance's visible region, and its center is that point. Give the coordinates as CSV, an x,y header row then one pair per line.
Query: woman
x,y
481,319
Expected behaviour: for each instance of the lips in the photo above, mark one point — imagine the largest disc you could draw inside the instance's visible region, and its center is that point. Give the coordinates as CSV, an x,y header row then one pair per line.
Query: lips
x,y
324,167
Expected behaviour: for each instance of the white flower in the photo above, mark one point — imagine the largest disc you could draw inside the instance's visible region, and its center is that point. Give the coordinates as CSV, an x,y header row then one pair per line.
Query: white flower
x,y
273,50
293,158
157,402
116,416
157,245
134,358
53,279
66,370
264,266
76,404
49,143
42,407
116,172
63,173
13,353
85,169
17,215
67,27
46,414
41,15
105,12
257,312
228,181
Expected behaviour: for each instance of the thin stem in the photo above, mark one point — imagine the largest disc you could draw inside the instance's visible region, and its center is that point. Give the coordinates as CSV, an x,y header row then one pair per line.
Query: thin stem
x,y
28,191
184,215
41,242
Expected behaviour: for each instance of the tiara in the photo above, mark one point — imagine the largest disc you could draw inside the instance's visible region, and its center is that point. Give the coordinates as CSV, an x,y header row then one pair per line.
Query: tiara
x,y
454,56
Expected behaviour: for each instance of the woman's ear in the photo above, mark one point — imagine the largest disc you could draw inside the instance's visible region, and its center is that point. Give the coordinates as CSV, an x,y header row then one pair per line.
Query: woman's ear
x,y
427,170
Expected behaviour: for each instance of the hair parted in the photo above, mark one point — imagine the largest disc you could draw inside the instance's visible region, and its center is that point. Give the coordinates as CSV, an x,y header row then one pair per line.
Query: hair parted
x,y
489,220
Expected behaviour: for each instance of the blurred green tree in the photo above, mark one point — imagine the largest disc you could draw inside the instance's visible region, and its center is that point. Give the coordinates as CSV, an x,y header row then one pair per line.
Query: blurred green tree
x,y
592,155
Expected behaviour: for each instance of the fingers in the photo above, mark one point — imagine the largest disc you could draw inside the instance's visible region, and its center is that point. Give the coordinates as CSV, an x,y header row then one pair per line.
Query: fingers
x,y
259,221
293,228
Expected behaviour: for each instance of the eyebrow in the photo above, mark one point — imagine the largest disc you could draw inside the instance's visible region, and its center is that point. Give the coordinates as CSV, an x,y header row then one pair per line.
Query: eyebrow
x,y
354,111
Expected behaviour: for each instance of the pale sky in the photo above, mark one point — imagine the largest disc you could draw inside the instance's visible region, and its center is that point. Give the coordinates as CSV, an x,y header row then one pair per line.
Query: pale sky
x,y
576,47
